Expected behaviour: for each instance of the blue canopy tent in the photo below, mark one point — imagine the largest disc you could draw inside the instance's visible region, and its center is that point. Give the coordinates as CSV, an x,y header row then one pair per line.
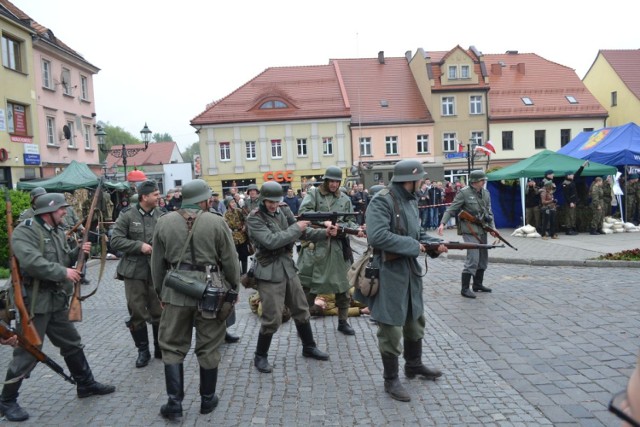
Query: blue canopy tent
x,y
614,146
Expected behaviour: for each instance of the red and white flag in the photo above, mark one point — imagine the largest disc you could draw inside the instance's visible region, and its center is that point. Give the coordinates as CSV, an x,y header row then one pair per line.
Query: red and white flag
x,y
490,146
460,147
484,150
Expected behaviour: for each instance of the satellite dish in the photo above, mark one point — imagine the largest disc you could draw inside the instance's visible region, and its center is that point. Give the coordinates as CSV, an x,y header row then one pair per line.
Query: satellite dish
x,y
66,131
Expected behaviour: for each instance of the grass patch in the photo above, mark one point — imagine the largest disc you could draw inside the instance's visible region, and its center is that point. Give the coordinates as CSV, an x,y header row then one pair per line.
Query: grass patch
x,y
628,255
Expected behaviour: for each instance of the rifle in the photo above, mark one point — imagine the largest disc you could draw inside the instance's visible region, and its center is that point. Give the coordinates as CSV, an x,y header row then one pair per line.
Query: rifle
x,y
28,328
466,216
432,247
344,230
7,332
75,307
73,229
324,216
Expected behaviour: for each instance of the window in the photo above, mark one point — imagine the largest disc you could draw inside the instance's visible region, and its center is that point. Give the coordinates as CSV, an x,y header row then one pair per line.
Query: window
x,y
614,98
301,143
587,130
365,146
87,137
507,140
11,53
475,104
571,99
449,142
526,100
72,138
84,87
46,74
565,137
17,119
276,148
273,104
423,144
448,106
250,148
453,72
464,72
477,138
391,145
66,81
51,130
540,139
327,146
225,151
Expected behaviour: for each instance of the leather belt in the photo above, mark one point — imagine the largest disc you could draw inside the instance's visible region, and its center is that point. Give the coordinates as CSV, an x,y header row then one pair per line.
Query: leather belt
x,y
190,267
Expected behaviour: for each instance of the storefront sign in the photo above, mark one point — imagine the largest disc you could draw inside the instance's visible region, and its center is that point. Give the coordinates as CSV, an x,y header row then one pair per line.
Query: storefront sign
x,y
278,176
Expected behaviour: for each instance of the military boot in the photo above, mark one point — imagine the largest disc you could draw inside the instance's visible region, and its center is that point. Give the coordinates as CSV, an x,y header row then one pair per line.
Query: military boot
x,y
309,348
208,398
392,384
466,292
174,380
343,324
81,373
9,406
477,282
141,339
260,360
413,362
157,353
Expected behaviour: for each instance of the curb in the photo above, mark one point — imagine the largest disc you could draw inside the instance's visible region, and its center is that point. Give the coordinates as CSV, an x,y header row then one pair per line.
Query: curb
x,y
557,262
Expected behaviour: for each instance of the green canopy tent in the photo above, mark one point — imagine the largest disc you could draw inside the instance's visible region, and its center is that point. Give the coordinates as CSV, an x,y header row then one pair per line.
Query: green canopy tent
x,y
75,176
536,166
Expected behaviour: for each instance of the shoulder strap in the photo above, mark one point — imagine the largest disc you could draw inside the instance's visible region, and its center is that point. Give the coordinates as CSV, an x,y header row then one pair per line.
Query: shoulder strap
x,y
191,223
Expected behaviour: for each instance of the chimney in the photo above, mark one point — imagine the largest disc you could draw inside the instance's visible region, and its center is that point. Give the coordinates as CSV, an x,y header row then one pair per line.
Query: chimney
x,y
520,68
496,69
381,57
512,52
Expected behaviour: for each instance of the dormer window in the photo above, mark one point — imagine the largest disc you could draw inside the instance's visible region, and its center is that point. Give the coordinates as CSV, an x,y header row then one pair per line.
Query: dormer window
x,y
453,72
273,104
571,99
526,100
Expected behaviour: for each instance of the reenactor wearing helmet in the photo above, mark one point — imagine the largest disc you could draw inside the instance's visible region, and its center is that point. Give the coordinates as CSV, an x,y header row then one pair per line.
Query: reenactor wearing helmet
x,y
196,243
374,189
132,236
46,261
323,265
476,200
252,202
273,231
393,230
33,195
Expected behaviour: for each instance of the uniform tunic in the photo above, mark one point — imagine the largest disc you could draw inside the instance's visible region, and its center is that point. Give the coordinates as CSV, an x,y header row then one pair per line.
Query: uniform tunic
x,y
596,207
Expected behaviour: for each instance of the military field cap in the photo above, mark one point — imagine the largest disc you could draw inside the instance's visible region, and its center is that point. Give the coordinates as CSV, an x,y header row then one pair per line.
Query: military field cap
x,y
550,171
569,173
147,187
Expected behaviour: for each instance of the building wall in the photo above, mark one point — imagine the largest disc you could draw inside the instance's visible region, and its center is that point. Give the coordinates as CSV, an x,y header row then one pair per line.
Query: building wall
x,y
407,142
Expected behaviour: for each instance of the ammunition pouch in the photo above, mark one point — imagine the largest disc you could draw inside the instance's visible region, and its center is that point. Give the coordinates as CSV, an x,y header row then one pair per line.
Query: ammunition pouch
x,y
217,302
185,285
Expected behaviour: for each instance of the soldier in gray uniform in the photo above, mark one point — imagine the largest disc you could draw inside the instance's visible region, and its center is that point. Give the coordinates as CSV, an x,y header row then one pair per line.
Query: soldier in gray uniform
x,y
476,200
205,243
393,230
45,260
274,231
252,202
33,194
132,236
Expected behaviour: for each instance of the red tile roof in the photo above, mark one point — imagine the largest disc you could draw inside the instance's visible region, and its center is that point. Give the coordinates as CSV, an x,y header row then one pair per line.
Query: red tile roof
x,y
437,62
370,83
517,75
311,92
626,63
158,153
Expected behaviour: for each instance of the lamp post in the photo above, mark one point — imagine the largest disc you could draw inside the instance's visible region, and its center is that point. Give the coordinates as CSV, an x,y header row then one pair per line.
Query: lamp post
x,y
123,153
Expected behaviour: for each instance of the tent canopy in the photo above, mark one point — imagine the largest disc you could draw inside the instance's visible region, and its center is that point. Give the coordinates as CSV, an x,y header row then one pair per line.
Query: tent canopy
x,y
536,166
615,146
75,176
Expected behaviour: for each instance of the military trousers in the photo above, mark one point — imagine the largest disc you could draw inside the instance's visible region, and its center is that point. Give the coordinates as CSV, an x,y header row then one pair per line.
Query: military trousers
x,y
176,328
477,259
630,208
571,217
142,302
533,216
390,336
57,327
596,216
274,296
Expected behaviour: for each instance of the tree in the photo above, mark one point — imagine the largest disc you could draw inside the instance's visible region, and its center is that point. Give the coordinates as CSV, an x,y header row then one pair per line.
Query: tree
x,y
191,152
162,137
116,136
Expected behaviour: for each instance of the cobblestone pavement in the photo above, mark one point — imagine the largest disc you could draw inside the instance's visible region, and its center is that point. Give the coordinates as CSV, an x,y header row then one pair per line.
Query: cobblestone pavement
x,y
549,346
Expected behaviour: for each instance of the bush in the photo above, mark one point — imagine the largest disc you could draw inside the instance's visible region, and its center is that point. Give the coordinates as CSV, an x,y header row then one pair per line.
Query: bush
x,y
5,273
19,202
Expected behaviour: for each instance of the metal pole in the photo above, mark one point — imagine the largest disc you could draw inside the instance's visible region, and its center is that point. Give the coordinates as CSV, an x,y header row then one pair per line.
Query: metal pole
x,y
124,161
468,159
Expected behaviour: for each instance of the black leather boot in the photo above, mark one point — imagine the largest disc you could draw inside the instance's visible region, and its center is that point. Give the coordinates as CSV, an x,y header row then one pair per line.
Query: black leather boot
x,y
141,339
230,338
9,406
157,353
392,384
260,360
477,282
343,324
466,292
174,380
413,362
81,373
309,348
208,398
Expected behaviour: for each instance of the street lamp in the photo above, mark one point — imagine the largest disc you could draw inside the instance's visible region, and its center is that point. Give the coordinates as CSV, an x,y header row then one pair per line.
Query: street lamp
x,y
123,153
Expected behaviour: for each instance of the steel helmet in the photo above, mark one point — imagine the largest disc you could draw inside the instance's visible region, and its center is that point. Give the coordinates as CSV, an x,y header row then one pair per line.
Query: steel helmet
x,y
252,187
476,176
272,191
195,191
36,192
49,202
374,189
228,200
408,170
333,173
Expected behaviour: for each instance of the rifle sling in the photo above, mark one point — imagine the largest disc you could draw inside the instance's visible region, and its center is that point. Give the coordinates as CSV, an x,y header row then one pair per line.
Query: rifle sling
x,y
473,233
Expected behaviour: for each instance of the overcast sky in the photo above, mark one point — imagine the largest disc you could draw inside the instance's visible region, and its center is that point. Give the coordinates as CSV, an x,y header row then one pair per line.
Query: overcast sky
x,y
163,62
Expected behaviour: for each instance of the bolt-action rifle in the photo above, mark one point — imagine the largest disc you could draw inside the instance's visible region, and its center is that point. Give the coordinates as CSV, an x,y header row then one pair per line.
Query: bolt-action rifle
x,y
324,216
433,246
466,216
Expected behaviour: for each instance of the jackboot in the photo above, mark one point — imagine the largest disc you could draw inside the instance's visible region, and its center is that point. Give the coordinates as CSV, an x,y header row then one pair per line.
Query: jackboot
x,y
174,380
466,292
81,373
392,384
260,360
230,338
413,362
141,339
208,398
9,406
309,348
593,232
157,353
477,282
343,324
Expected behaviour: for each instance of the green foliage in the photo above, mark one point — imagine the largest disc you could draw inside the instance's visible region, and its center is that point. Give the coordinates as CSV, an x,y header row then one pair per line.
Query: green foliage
x,y
5,273
162,137
191,152
19,202
116,136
